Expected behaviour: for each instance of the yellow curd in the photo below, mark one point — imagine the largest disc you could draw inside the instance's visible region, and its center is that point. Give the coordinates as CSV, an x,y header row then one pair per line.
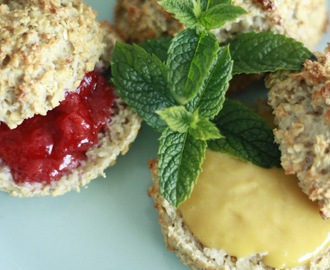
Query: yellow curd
x,y
244,209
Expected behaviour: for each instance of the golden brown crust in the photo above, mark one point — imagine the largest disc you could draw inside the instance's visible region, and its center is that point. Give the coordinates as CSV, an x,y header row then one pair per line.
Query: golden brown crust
x,y
138,20
47,46
301,103
266,4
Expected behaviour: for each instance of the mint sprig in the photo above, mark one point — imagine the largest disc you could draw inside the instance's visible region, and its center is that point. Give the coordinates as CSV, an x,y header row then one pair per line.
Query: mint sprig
x,y
179,88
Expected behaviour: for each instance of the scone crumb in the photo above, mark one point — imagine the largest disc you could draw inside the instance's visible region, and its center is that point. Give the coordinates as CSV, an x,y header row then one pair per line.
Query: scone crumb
x,y
301,103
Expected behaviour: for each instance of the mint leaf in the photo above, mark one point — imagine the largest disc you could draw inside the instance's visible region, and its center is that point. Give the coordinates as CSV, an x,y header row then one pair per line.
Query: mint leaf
x,y
202,129
218,15
247,136
183,10
158,46
180,120
140,79
209,102
266,52
190,59
211,3
179,165
177,118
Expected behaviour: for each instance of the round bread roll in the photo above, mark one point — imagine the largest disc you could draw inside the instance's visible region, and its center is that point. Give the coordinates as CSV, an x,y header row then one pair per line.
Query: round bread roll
x,y
46,49
195,255
137,20
301,104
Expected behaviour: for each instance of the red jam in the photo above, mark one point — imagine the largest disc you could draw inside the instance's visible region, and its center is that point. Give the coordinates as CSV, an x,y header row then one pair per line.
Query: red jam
x,y
43,148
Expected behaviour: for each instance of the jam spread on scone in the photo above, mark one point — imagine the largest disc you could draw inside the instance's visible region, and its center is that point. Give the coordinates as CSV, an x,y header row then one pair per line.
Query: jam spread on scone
x,y
43,148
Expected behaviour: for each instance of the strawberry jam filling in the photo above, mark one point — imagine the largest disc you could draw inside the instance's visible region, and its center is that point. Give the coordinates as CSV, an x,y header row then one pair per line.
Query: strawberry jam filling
x,y
44,148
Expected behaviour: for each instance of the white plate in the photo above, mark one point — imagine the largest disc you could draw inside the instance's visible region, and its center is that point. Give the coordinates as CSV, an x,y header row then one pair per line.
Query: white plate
x,y
111,225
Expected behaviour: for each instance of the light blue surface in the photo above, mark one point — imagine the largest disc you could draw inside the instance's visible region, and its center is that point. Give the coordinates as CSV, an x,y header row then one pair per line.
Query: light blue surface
x,y
111,225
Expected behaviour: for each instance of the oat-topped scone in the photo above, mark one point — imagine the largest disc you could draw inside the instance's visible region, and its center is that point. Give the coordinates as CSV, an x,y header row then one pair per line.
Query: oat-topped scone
x,y
61,122
301,103
46,49
305,21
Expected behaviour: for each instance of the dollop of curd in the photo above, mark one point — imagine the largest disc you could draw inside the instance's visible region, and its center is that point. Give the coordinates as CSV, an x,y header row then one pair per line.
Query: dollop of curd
x,y
245,209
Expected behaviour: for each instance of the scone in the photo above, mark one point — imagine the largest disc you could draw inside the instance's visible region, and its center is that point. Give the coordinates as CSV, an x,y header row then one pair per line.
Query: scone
x,y
301,104
62,123
137,20
188,242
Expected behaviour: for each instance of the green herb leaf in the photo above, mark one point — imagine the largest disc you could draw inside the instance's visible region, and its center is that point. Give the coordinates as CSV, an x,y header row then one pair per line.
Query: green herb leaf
x,y
179,165
177,118
266,52
140,79
180,120
209,102
202,129
218,15
158,46
190,59
206,4
247,136
183,10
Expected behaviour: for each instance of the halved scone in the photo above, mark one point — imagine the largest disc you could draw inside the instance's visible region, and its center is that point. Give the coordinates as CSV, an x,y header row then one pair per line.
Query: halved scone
x,y
51,52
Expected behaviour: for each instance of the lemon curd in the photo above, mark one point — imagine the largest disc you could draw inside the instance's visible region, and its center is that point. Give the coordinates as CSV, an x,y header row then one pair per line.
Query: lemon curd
x,y
244,209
